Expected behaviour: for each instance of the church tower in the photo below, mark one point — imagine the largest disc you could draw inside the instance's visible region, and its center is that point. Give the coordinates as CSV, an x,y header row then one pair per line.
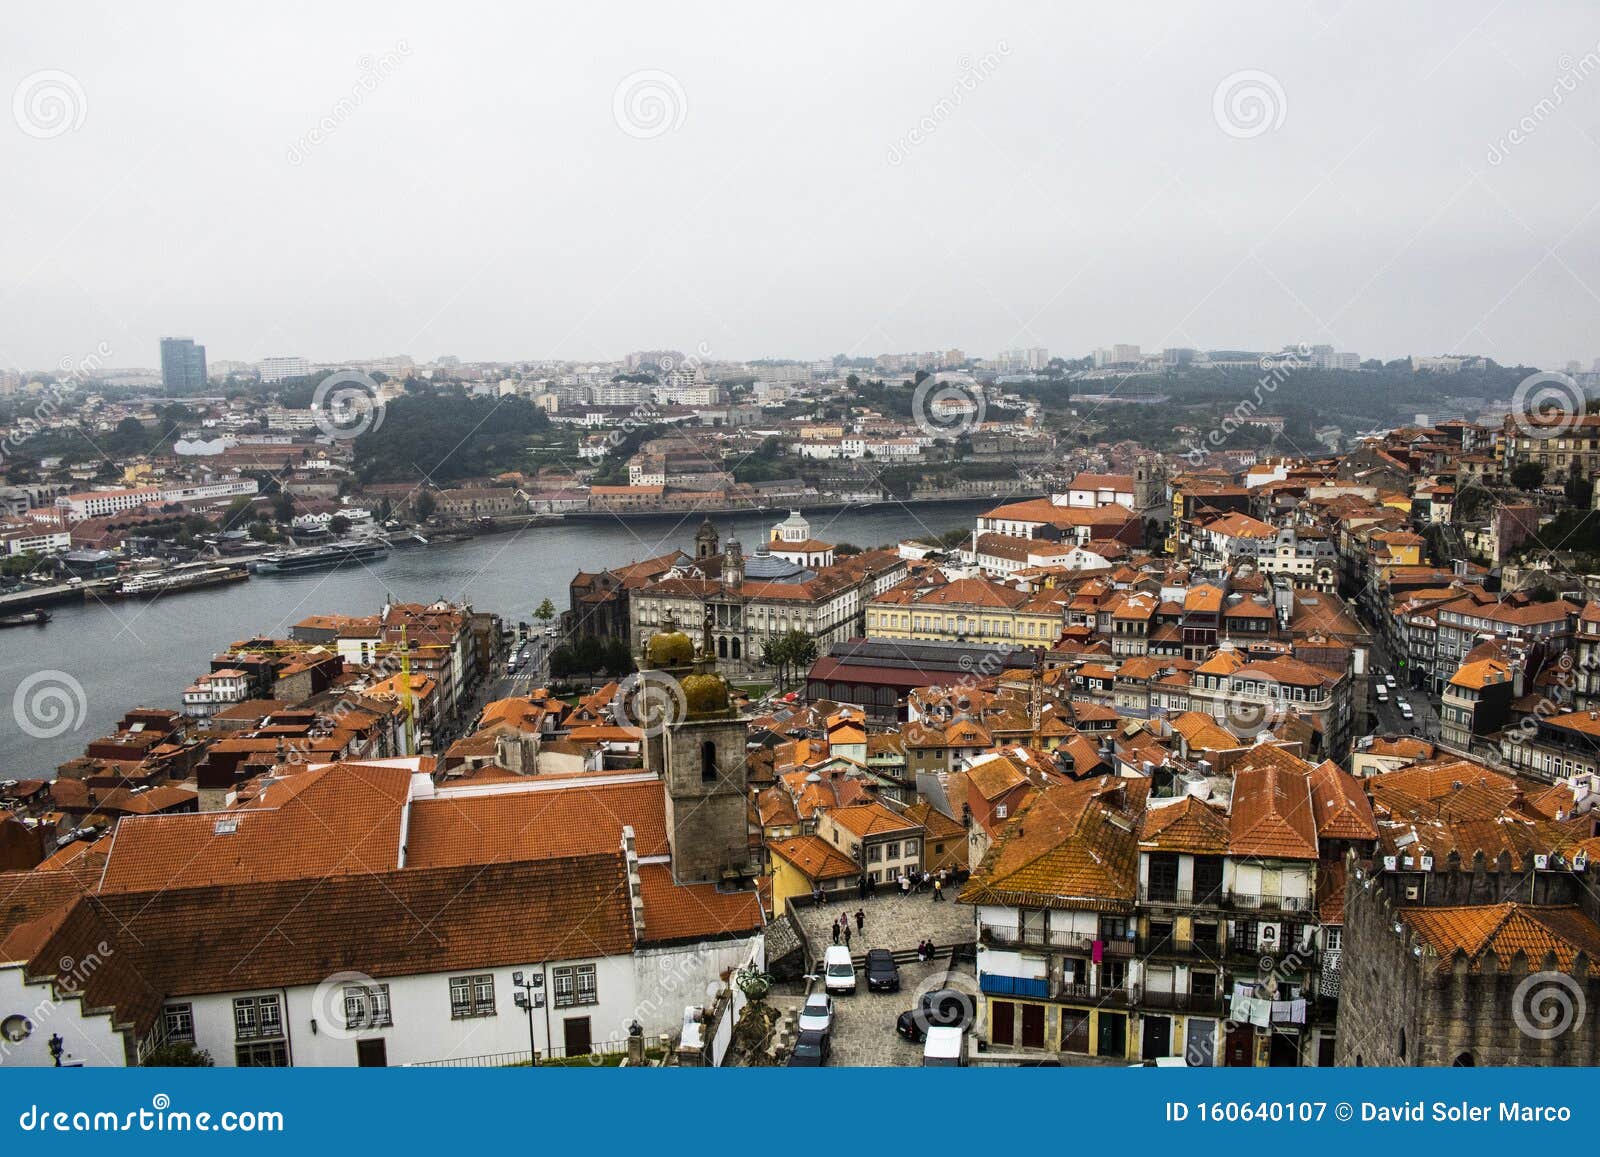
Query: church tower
x,y
706,541
697,750
1150,488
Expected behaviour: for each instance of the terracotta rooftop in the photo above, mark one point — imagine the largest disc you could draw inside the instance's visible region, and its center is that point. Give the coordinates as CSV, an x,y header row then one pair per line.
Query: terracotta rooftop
x,y
1503,931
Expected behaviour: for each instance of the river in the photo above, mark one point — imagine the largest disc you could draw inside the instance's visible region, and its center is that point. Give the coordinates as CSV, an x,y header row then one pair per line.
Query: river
x,y
129,654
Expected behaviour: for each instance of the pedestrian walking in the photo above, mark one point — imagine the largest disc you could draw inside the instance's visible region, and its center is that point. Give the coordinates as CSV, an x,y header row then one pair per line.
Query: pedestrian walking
x,y
861,921
847,935
836,934
905,884
938,891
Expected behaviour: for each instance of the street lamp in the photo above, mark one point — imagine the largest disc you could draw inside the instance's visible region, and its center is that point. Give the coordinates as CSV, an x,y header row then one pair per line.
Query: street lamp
x,y
529,996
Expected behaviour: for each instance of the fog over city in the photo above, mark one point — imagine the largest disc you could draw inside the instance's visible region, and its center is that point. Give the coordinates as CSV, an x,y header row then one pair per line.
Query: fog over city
x,y
366,179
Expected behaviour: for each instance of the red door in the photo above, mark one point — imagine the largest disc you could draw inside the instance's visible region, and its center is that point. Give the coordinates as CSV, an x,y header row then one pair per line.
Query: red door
x,y
1002,1022
1241,1047
1033,1026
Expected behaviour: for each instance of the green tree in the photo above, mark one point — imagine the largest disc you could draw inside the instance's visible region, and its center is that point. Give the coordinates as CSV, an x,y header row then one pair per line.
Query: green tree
x,y
338,524
545,612
178,1055
424,504
1527,476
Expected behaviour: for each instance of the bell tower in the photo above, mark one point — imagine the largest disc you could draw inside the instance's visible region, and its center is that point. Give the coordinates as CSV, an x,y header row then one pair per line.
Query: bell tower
x,y
706,541
697,749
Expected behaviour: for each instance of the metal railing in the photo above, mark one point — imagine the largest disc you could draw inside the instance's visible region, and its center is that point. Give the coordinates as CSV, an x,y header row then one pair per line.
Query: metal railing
x,y
1010,935
1269,900
1181,897
1178,1001
1179,946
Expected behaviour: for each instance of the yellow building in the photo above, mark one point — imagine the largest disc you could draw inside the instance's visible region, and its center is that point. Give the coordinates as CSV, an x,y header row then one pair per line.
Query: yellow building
x,y
974,610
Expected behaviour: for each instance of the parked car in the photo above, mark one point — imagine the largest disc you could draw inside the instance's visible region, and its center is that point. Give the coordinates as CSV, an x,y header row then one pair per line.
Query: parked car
x,y
811,1050
943,1008
1388,680
1405,711
883,974
838,970
816,1015
946,1047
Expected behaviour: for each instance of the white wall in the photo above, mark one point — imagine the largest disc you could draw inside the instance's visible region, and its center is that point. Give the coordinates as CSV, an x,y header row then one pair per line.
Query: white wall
x,y
89,1041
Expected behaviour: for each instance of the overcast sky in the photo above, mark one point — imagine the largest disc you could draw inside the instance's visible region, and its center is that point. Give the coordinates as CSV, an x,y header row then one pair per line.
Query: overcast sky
x,y
579,181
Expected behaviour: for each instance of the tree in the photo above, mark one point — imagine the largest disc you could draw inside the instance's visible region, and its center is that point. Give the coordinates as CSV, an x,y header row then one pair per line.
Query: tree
x,y
545,612
1527,476
424,504
1579,490
283,507
338,524
178,1055
789,652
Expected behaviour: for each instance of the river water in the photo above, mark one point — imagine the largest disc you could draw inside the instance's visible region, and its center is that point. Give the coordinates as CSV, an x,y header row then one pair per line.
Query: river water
x,y
132,654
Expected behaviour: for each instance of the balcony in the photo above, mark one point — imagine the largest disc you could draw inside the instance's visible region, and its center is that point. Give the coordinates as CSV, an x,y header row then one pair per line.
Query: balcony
x,y
1270,901
1099,993
1179,1001
1179,946
1007,936
1180,897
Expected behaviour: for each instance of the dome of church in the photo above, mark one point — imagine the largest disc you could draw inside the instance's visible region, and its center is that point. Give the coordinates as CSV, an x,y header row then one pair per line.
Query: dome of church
x,y
669,649
705,694
766,567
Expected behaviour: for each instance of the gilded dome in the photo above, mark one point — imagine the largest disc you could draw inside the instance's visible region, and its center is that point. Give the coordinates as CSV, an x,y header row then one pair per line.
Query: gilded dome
x,y
705,694
669,649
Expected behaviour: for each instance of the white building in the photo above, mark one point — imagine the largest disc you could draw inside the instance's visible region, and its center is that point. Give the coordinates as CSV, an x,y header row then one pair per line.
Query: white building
x,y
282,369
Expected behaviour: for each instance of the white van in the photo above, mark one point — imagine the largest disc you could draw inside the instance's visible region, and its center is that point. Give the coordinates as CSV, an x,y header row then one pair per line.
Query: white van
x,y
1382,693
838,970
945,1047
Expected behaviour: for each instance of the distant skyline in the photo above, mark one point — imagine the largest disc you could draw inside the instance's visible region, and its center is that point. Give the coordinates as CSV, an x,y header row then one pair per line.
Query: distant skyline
x,y
562,184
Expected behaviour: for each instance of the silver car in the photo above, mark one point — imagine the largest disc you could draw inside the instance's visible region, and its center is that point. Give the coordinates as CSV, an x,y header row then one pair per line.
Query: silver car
x,y
817,1014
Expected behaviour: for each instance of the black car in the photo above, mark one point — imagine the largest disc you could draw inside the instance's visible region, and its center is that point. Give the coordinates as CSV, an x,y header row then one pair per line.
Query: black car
x,y
944,1007
883,974
811,1049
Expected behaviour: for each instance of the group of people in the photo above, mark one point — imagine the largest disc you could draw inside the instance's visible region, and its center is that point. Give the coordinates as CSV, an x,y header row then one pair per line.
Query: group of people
x,y
925,951
925,882
841,926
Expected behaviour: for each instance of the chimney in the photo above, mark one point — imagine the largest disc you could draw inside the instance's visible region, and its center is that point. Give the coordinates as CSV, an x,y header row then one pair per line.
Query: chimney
x,y
630,856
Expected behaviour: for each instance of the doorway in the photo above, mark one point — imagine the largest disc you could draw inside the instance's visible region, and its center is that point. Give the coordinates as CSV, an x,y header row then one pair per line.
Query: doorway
x,y
577,1040
372,1054
1157,1037
1002,1022
1033,1026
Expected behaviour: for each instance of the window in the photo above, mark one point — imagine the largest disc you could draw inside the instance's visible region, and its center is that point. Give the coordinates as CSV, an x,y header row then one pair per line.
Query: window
x,y
874,853
911,848
1203,983
575,985
266,1055
367,1006
180,1021
471,996
257,1018
1332,938
891,850
708,762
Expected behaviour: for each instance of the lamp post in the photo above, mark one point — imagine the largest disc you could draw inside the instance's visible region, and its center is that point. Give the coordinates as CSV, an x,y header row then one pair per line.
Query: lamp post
x,y
57,1047
530,995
